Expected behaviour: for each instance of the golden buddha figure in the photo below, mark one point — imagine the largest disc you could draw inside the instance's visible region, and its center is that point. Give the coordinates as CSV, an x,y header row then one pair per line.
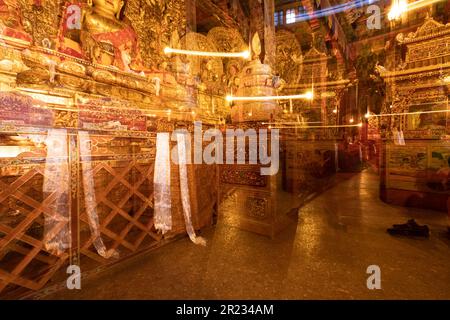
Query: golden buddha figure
x,y
11,24
106,39
9,14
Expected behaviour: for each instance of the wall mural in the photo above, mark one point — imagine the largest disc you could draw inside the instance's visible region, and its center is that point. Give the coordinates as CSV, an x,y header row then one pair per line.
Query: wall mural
x,y
419,167
289,57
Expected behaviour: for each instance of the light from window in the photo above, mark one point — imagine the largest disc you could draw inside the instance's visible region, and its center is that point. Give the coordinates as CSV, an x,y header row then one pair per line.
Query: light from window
x,y
275,18
290,16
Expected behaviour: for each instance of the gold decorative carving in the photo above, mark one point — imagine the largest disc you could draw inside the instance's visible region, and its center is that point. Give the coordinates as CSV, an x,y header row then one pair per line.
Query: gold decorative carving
x,y
229,40
11,60
256,208
418,83
430,29
205,68
155,21
12,24
72,68
65,119
73,82
226,39
41,21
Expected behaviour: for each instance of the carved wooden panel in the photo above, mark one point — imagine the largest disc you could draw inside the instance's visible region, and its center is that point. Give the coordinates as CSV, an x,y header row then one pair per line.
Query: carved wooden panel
x,y
24,261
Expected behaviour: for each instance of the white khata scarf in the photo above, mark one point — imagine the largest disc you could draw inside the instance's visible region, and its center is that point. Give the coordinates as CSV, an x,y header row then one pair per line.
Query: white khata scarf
x,y
57,233
161,184
185,198
90,201
163,217
58,238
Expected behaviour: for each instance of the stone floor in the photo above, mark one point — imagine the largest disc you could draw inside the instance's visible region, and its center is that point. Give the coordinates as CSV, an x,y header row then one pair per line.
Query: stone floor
x,y
324,254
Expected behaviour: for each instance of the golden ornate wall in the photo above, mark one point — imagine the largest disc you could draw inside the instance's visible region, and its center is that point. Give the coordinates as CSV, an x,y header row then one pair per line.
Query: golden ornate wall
x,y
75,89
415,172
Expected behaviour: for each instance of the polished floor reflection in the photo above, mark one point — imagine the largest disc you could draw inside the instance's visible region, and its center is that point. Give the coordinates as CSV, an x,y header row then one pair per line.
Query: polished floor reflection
x,y
323,254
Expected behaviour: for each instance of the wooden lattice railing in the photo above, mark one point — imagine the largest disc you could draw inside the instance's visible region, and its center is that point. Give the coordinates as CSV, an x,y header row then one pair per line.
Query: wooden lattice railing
x,y
123,189
124,204
21,247
137,221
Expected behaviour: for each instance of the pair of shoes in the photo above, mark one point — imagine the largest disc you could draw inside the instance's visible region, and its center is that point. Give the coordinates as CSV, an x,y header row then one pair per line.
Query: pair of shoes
x,y
411,228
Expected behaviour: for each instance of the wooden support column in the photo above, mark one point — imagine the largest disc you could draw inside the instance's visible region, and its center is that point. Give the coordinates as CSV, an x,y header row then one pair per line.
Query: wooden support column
x,y
75,197
243,21
191,16
269,33
256,19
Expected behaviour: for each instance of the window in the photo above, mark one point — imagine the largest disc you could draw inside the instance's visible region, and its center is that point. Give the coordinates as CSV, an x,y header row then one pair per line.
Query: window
x,y
301,10
301,14
278,17
290,16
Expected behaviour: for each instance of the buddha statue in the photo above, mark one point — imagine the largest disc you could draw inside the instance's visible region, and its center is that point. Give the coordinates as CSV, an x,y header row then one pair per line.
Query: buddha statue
x,y
107,40
11,24
9,14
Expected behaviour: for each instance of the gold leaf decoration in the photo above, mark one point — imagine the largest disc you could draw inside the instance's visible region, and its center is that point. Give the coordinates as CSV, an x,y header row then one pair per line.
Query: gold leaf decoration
x,y
198,42
155,21
41,21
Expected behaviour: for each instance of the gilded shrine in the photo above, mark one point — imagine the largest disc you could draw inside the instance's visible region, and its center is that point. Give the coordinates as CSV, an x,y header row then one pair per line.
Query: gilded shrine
x,y
224,149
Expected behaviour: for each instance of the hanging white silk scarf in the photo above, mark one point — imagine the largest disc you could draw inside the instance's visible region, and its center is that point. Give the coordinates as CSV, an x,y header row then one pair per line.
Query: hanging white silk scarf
x,y
185,198
57,232
90,201
161,182
401,138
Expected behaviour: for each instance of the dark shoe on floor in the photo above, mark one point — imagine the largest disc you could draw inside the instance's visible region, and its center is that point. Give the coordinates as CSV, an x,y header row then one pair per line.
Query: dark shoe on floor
x,y
411,228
